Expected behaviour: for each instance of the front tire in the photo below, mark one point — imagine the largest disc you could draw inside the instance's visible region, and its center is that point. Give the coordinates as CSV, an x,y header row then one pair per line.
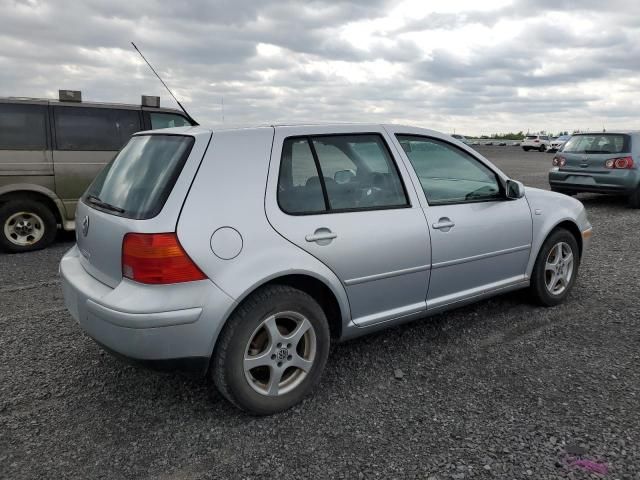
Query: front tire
x,y
26,225
542,148
272,351
556,268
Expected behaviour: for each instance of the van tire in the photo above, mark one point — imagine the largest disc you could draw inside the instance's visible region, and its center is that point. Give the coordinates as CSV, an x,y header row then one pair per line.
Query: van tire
x,y
227,370
42,220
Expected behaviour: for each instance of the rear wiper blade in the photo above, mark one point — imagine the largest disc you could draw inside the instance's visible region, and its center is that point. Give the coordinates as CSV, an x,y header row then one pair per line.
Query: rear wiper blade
x,y
107,206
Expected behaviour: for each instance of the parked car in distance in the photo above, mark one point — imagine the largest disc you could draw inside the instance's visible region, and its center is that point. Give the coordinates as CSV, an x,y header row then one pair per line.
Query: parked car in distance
x,y
258,247
49,153
536,142
462,138
558,142
600,163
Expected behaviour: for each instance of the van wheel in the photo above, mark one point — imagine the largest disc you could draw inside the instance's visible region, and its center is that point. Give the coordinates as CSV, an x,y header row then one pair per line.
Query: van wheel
x,y
272,351
634,198
556,268
26,225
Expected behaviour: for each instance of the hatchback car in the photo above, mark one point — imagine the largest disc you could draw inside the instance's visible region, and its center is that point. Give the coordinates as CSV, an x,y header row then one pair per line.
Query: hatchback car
x,y
243,253
599,163
536,142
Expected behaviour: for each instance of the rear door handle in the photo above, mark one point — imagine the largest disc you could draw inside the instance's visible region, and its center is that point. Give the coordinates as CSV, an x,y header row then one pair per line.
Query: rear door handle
x,y
323,235
444,224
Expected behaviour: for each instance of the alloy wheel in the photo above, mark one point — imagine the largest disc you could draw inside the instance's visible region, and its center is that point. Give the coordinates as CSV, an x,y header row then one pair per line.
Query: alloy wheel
x,y
558,269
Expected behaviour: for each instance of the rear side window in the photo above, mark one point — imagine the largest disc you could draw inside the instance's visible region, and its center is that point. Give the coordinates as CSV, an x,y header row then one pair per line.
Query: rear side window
x,y
23,127
137,182
598,143
167,120
338,173
80,128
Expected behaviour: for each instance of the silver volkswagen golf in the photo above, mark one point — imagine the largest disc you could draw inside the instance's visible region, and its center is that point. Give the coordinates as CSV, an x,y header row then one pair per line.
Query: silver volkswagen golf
x,y
242,253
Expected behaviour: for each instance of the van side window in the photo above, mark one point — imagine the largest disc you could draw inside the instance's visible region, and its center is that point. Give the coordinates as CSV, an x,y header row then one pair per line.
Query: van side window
x,y
167,120
79,128
23,127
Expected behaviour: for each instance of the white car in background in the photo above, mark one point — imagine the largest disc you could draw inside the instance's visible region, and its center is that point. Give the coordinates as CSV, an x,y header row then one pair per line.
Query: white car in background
x,y
558,143
536,142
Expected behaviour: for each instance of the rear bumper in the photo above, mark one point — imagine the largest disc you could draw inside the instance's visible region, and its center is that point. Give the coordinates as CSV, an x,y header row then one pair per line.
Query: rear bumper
x,y
164,326
621,182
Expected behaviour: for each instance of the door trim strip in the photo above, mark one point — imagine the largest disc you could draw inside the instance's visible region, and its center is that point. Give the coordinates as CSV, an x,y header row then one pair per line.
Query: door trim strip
x,y
381,276
482,256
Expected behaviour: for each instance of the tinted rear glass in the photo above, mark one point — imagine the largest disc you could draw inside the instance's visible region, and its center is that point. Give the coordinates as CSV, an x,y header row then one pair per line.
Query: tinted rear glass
x,y
600,143
22,127
141,176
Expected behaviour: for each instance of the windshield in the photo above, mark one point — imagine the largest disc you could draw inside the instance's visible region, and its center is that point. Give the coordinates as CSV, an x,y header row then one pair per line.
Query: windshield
x,y
600,143
138,180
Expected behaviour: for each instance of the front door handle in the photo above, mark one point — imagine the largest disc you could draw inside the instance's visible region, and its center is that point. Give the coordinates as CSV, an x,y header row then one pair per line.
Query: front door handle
x,y
444,224
322,236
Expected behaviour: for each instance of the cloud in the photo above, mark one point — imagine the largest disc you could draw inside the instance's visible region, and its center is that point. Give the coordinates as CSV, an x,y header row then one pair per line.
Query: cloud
x,y
498,66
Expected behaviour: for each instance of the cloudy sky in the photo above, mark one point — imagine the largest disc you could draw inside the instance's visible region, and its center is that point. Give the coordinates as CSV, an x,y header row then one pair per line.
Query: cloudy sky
x,y
477,67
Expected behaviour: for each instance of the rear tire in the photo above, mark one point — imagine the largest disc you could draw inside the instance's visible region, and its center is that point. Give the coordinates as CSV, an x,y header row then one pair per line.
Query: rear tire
x,y
634,198
526,149
542,148
26,225
260,364
553,274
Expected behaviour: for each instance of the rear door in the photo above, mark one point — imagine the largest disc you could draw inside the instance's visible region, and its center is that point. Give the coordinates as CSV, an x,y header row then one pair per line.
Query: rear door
x,y
86,139
342,197
25,156
145,185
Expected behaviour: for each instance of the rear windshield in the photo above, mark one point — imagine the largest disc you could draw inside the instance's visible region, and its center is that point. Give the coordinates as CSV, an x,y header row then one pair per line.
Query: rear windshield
x,y
138,180
602,143
531,137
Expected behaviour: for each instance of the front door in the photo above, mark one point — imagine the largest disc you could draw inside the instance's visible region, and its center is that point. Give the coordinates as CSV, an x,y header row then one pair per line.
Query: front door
x,y
480,240
341,198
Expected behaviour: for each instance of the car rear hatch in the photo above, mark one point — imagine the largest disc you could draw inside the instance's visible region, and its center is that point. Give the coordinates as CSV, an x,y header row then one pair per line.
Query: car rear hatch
x,y
588,153
141,190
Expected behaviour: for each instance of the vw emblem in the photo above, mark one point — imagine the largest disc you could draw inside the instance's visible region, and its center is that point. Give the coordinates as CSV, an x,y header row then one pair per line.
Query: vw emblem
x,y
85,225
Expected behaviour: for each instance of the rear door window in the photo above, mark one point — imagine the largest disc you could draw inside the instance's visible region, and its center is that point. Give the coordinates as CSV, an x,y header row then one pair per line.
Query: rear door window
x,y
137,182
105,129
167,120
23,127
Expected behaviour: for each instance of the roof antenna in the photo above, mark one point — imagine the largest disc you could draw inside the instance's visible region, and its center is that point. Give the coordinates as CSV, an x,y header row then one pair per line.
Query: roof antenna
x,y
189,117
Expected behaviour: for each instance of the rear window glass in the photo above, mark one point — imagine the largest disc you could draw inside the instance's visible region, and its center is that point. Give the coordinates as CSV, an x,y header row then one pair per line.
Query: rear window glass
x,y
531,137
137,182
601,143
168,120
22,127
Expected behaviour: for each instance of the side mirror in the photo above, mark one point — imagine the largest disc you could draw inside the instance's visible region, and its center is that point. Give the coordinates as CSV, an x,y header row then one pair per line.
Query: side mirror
x,y
343,176
514,189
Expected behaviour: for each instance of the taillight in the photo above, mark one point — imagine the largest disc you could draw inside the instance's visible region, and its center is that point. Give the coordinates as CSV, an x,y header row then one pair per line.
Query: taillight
x,y
157,258
558,161
619,163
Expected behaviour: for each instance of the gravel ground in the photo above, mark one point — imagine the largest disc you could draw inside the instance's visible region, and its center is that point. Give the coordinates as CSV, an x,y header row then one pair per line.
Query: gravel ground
x,y
501,389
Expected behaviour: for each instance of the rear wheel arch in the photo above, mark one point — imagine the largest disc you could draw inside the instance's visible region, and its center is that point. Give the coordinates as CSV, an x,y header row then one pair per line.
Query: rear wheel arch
x,y
37,196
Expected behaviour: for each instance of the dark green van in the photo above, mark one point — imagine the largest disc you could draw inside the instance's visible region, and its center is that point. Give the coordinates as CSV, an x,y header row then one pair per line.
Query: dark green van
x,y
49,153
